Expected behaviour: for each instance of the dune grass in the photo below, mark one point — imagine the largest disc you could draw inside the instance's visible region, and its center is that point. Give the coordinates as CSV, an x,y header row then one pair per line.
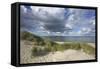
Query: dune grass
x,y
61,47
44,46
88,48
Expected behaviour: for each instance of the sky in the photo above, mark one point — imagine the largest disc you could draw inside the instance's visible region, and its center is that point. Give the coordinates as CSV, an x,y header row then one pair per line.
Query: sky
x,y
55,21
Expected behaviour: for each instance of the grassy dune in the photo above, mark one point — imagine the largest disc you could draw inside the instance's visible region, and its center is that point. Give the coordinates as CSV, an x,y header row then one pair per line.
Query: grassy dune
x,y
44,46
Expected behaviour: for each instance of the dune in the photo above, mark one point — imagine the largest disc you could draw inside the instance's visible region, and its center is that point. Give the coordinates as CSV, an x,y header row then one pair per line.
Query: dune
x,y
66,55
92,44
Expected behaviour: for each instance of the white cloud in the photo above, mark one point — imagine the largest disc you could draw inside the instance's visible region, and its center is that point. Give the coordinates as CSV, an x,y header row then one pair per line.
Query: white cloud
x,y
58,32
71,17
81,32
46,12
68,26
54,21
23,9
48,32
84,31
74,18
93,22
42,28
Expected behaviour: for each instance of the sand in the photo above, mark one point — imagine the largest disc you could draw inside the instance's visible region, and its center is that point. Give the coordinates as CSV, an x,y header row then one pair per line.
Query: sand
x,y
67,55
92,44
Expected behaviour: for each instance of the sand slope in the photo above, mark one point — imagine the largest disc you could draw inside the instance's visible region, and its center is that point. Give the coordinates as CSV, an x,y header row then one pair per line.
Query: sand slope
x,y
67,55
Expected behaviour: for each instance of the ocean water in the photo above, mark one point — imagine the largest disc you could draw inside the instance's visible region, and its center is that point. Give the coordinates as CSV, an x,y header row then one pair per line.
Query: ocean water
x,y
90,39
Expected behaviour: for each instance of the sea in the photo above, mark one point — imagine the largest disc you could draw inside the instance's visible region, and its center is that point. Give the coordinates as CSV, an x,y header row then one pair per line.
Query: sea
x,y
89,39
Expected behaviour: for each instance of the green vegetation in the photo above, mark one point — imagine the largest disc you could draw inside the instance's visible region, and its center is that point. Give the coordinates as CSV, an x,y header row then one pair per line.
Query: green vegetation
x,y
80,46
88,49
39,51
31,37
44,46
76,46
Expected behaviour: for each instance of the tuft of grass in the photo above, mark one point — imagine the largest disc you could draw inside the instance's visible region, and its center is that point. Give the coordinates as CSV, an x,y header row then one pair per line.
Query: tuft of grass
x,y
88,49
40,51
78,46
75,46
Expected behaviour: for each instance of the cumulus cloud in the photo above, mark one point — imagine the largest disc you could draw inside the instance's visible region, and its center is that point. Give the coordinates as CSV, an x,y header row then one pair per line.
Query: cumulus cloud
x,y
55,21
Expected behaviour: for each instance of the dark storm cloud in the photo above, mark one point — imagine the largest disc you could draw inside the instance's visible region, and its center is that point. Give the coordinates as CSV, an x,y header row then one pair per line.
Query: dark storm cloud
x,y
51,23
64,21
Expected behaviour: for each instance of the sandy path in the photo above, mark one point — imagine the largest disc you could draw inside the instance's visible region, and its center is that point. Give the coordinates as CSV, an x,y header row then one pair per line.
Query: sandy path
x,y
92,44
25,51
67,55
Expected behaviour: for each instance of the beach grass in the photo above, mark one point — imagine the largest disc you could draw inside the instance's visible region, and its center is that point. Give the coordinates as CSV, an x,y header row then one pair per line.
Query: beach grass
x,y
44,46
88,48
65,46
